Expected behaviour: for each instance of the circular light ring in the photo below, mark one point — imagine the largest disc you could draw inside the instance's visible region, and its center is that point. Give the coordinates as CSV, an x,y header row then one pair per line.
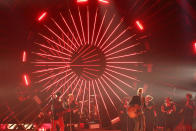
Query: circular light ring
x,y
95,57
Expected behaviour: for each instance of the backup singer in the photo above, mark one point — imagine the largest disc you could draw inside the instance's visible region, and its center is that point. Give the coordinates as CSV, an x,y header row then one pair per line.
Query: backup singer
x,y
150,113
168,108
57,112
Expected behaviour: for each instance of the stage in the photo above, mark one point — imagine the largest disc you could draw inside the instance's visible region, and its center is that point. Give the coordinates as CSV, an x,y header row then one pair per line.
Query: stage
x,y
101,64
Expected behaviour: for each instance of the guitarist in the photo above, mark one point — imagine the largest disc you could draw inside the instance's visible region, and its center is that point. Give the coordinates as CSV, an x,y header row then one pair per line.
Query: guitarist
x,y
57,112
72,110
135,110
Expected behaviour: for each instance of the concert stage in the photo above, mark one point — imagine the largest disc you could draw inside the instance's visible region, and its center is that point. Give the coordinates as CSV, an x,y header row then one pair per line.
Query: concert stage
x,y
101,63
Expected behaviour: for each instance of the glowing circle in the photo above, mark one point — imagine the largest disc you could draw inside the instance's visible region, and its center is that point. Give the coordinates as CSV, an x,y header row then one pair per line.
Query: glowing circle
x,y
88,62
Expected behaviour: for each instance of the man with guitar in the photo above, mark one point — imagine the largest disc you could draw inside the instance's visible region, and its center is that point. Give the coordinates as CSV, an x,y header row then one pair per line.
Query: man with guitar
x,y
135,110
57,112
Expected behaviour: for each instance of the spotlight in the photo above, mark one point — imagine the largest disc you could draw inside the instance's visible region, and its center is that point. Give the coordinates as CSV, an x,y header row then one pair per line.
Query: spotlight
x,y
104,1
139,25
194,47
26,79
24,56
42,16
82,1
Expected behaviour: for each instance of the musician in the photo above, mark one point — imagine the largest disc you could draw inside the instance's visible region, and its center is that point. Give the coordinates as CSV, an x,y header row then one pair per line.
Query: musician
x,y
93,115
168,109
188,112
123,114
139,102
57,112
150,113
72,109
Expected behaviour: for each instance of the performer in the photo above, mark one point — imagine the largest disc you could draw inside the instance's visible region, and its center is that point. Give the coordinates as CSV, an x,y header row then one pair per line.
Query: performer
x,y
135,110
150,113
95,113
72,106
57,112
123,115
188,112
168,108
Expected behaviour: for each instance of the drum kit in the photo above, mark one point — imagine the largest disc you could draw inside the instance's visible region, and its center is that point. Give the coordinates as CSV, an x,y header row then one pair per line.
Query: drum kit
x,y
81,112
88,115
84,111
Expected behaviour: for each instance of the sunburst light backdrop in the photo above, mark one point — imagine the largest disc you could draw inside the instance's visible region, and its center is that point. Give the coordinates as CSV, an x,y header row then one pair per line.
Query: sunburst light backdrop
x,y
91,53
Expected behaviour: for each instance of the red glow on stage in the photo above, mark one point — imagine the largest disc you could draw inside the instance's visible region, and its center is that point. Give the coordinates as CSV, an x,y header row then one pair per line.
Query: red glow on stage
x,y
104,1
139,25
26,79
24,56
42,16
82,1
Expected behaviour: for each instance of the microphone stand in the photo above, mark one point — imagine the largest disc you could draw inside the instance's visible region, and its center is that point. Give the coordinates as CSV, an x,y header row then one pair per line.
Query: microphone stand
x,y
70,118
52,112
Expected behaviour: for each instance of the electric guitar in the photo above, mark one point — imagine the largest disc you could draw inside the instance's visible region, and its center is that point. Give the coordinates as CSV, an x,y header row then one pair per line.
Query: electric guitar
x,y
134,111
